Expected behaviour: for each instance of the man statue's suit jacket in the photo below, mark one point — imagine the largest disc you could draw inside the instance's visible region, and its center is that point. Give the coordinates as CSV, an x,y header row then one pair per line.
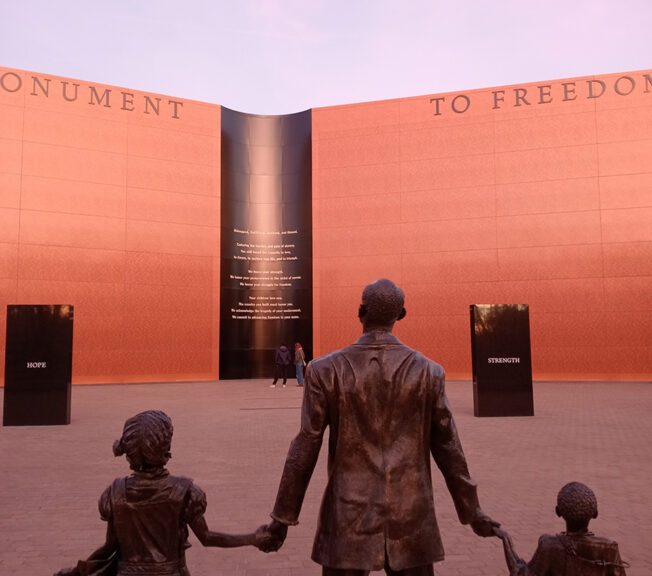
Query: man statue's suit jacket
x,y
387,412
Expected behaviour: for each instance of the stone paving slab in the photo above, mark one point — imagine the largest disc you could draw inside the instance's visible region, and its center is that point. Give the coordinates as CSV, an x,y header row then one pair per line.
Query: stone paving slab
x,y
232,437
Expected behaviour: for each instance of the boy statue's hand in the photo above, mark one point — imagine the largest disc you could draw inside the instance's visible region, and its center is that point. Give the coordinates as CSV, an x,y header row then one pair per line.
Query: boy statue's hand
x,y
484,526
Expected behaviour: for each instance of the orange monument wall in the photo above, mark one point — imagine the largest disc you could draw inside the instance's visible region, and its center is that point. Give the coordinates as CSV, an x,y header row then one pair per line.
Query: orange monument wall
x,y
109,200
538,194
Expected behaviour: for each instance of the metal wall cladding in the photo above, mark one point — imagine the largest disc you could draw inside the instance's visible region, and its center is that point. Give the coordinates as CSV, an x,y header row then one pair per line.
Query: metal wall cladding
x,y
546,203
114,209
540,194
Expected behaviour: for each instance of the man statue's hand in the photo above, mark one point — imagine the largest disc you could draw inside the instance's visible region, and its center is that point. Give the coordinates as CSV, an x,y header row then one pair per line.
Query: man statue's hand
x,y
262,537
277,531
484,526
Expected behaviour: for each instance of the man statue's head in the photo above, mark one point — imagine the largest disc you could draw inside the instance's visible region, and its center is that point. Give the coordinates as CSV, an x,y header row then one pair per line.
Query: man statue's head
x,y
382,305
577,505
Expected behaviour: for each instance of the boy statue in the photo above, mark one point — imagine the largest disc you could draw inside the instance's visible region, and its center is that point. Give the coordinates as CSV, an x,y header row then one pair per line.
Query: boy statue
x,y
575,552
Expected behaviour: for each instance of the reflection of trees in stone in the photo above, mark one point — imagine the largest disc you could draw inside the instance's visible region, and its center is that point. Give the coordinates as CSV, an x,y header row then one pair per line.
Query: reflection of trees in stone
x,y
501,320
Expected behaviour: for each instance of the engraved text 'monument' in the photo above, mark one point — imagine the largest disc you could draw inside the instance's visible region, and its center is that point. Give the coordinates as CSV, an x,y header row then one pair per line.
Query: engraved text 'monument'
x,y
43,87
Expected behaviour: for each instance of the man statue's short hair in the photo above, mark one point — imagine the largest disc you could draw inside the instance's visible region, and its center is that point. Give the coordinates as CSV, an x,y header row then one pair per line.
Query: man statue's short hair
x,y
577,503
382,303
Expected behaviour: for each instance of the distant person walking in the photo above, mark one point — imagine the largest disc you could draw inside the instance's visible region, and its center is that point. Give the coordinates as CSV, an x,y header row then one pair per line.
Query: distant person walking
x,y
299,362
282,361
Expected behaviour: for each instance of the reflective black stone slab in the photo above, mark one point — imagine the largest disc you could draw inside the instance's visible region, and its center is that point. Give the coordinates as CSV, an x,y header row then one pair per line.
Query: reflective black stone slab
x,y
266,240
38,365
502,364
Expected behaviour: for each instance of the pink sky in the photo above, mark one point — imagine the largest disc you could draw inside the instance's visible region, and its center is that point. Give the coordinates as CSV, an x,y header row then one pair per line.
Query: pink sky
x,y
281,56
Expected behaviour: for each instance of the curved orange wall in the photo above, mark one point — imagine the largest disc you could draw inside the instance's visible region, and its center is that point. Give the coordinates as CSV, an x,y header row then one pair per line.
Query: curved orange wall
x,y
113,209
535,194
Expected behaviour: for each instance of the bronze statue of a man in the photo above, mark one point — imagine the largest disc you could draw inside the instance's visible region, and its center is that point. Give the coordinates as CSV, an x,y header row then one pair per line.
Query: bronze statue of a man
x,y
575,552
387,411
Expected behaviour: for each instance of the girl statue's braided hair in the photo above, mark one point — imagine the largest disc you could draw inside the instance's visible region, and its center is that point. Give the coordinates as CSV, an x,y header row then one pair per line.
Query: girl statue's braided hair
x,y
146,440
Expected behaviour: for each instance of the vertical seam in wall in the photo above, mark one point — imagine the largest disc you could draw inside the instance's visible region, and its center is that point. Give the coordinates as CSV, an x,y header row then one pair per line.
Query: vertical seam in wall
x,y
495,155
216,278
126,202
400,192
20,193
123,323
597,157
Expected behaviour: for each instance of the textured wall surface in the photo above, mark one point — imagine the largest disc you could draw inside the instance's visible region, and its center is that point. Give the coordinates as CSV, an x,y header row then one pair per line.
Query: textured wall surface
x,y
537,194
111,207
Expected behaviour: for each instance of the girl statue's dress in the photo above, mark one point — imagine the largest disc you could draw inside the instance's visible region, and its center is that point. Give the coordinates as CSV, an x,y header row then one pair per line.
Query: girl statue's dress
x,y
148,513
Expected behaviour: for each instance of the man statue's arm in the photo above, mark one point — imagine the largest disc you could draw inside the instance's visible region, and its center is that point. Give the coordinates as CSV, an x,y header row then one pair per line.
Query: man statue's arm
x,y
446,449
301,460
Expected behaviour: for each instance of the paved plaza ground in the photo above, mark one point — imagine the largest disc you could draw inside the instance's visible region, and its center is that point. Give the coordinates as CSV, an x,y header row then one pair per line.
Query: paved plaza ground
x,y
232,437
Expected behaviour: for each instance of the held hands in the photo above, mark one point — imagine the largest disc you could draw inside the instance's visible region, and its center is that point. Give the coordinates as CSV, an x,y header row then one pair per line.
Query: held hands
x,y
515,564
270,537
504,536
262,537
484,526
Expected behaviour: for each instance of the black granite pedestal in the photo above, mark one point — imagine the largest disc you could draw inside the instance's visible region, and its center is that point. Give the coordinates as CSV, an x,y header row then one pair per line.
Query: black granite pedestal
x,y
502,365
38,365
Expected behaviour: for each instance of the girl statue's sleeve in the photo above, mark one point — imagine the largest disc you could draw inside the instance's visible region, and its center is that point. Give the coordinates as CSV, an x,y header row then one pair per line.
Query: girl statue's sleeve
x,y
104,505
195,504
